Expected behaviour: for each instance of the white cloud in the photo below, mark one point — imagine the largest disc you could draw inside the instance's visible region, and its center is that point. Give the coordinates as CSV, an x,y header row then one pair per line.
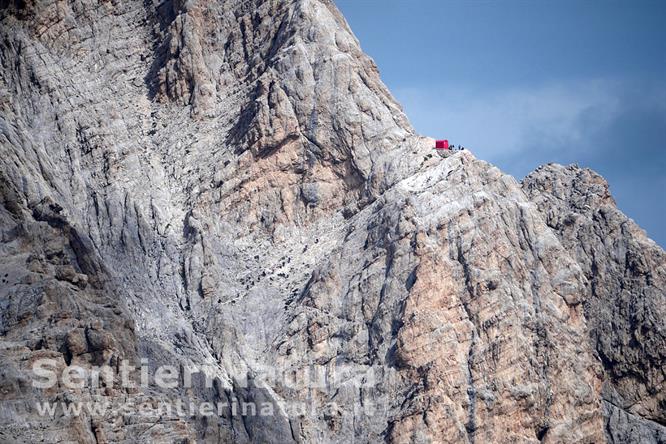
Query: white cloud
x,y
507,123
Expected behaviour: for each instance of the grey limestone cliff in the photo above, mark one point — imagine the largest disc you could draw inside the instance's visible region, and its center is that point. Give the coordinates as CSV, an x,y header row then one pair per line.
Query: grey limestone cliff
x,y
229,186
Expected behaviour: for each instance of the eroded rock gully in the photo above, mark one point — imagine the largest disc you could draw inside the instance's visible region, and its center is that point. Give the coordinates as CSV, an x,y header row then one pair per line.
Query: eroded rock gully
x,y
228,185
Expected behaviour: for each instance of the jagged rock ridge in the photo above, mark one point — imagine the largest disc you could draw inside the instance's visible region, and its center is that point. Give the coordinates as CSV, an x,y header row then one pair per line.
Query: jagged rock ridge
x,y
230,184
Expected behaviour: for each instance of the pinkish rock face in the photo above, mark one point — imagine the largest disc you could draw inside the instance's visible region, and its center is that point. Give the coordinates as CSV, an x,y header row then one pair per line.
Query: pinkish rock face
x,y
218,210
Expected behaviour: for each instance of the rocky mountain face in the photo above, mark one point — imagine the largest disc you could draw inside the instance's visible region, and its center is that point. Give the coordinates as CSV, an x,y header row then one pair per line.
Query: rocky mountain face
x,y
227,186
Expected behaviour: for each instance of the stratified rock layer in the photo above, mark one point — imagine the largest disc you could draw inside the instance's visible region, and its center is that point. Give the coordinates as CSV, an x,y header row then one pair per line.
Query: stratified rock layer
x,y
625,302
228,185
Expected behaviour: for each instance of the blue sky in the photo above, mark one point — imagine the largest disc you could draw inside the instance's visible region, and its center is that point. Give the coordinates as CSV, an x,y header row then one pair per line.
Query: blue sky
x,y
527,82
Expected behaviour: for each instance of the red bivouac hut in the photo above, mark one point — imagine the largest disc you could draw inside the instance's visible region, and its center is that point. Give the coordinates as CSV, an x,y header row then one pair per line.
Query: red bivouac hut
x,y
442,145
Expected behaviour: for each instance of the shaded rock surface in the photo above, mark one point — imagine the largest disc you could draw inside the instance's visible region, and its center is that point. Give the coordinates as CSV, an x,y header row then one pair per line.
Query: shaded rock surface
x,y
229,186
625,302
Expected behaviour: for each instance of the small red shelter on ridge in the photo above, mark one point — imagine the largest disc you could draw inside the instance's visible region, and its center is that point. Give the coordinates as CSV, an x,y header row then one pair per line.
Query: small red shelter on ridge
x,y
442,145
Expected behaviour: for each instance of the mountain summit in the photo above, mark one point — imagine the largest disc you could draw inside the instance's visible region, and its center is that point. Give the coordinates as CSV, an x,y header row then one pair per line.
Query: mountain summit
x,y
225,195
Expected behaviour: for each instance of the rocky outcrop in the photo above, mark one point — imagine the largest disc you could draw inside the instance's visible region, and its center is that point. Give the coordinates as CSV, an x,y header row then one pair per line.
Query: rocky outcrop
x,y
448,300
227,186
625,298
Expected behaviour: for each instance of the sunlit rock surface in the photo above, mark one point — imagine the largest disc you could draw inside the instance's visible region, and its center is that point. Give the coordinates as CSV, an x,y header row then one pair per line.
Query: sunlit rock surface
x,y
228,186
